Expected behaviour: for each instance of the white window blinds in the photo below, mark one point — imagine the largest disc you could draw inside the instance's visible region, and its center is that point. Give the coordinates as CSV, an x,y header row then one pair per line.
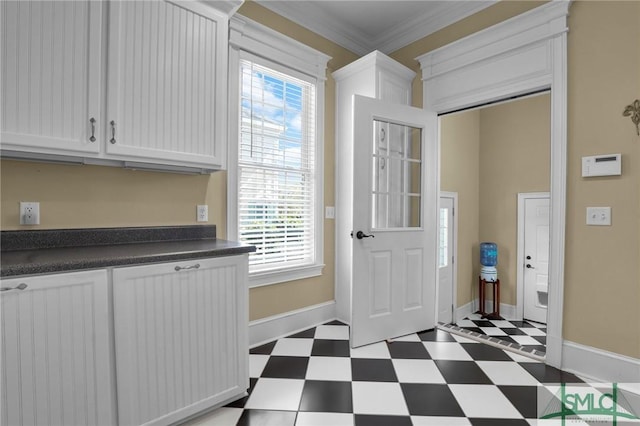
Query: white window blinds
x,y
276,168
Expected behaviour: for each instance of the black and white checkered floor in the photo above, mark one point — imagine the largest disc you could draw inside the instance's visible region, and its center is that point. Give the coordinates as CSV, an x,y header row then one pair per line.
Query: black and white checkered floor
x,y
429,378
529,335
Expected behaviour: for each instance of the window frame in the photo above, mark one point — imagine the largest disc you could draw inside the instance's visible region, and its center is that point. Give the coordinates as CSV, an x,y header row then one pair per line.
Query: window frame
x,y
257,43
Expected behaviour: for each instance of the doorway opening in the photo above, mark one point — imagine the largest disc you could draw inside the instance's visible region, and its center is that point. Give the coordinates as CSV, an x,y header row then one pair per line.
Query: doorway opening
x,y
489,155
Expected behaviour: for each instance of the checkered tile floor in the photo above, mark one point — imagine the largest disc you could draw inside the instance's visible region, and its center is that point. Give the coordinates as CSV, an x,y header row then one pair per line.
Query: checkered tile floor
x,y
429,378
531,336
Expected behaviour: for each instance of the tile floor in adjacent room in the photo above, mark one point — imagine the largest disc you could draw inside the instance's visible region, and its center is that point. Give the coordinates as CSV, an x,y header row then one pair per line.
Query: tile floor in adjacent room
x,y
429,378
530,335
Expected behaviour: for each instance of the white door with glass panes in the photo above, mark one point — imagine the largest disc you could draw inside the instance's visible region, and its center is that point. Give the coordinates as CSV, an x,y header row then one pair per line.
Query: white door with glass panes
x,y
445,260
394,220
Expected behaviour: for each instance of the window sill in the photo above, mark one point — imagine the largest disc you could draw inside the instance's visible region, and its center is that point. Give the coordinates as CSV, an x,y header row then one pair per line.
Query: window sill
x,y
261,279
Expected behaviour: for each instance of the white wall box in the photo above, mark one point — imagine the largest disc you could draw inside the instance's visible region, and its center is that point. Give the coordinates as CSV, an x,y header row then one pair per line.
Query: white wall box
x,y
56,351
181,336
157,102
377,76
602,165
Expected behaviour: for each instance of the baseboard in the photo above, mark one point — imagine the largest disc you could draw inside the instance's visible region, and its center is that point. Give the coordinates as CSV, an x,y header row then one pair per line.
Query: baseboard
x,y
599,365
465,310
268,329
506,311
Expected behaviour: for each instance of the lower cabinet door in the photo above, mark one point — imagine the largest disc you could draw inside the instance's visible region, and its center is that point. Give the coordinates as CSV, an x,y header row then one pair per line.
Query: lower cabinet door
x,y
181,336
56,352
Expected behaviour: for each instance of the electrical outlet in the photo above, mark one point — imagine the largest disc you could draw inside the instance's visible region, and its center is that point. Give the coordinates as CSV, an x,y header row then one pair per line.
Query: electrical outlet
x,y
29,213
202,213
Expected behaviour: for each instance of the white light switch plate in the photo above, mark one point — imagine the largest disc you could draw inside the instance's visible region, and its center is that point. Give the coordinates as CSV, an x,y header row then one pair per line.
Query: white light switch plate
x,y
599,216
329,212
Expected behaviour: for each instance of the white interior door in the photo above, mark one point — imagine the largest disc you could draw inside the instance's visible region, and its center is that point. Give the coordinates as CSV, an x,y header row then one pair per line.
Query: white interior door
x,y
394,220
445,259
536,261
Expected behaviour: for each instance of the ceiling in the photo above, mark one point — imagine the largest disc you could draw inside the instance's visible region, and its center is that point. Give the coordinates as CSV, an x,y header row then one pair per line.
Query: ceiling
x,y
362,26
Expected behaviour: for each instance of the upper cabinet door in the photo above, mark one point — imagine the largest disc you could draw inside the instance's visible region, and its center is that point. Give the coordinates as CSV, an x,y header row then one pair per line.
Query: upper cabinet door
x,y
167,83
50,54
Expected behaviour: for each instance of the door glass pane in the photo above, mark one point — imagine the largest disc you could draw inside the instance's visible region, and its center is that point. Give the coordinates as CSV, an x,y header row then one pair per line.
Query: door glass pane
x,y
397,173
444,238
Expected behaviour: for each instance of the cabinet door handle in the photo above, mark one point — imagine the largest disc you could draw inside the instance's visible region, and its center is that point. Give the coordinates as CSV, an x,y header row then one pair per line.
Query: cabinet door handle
x,y
184,268
93,129
113,132
21,286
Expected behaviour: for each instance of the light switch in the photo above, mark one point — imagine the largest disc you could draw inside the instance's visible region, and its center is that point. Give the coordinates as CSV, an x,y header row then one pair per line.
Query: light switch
x,y
600,216
329,212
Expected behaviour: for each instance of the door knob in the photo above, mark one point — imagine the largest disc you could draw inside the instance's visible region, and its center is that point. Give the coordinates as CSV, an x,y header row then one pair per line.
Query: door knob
x,y
528,257
529,266
360,235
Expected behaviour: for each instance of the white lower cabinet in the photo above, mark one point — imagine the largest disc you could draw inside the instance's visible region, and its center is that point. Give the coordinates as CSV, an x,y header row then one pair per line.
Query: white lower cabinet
x,y
181,344
56,352
181,338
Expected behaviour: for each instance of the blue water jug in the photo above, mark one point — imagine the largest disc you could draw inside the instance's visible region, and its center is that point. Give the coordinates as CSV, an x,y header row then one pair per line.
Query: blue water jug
x,y
488,254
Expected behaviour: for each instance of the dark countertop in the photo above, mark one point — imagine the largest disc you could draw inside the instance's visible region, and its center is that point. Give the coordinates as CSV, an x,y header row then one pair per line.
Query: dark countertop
x,y
165,247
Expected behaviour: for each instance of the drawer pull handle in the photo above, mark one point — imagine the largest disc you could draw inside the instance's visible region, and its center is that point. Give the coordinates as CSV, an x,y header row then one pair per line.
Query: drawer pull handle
x,y
93,129
113,132
18,287
184,268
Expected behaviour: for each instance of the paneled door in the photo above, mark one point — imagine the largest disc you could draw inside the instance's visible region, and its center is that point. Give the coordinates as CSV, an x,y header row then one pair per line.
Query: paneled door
x,y
394,220
536,261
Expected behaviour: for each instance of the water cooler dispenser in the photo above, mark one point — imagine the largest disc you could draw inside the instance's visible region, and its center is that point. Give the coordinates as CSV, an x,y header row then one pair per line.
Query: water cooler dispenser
x,y
488,261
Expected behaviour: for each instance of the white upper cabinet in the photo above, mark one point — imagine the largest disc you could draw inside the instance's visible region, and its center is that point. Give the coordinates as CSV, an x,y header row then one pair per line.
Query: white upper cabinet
x,y
158,101
51,67
167,82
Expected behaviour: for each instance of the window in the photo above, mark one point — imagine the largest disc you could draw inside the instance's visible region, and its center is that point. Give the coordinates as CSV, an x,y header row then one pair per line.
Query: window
x,y
276,168
276,163
444,238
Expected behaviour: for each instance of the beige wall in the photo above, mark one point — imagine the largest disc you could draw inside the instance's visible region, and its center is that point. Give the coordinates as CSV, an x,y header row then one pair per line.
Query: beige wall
x,y
602,280
98,196
459,163
514,157
94,196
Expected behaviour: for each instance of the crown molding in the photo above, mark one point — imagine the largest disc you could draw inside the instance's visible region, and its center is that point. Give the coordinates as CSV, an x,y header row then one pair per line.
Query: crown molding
x,y
229,7
423,25
316,19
